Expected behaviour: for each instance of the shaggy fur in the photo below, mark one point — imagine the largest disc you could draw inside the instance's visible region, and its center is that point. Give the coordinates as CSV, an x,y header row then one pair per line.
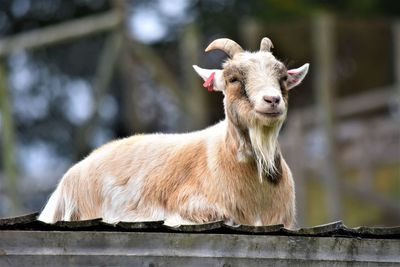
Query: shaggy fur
x,y
232,171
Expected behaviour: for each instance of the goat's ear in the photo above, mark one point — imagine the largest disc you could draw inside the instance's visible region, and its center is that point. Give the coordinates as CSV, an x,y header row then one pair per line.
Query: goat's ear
x,y
295,76
213,78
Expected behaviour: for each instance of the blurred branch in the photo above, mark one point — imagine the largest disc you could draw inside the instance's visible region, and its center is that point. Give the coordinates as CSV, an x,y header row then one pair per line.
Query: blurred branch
x,y
126,68
103,77
8,152
106,64
159,69
60,33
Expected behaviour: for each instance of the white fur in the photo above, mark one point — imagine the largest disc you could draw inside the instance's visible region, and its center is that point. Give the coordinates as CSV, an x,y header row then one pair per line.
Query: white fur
x,y
205,74
124,172
296,76
264,141
212,139
258,221
69,207
47,215
117,197
176,220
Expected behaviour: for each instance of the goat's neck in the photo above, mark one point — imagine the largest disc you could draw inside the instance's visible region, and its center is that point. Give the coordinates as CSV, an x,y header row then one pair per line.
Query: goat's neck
x,y
257,144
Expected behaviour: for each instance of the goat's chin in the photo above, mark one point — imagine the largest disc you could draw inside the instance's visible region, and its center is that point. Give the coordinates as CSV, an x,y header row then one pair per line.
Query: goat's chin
x,y
269,119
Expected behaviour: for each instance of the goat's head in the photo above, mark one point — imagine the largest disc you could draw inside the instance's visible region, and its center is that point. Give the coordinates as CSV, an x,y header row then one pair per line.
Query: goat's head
x,y
255,84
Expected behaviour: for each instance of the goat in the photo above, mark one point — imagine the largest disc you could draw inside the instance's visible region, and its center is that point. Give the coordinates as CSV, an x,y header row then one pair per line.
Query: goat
x,y
232,171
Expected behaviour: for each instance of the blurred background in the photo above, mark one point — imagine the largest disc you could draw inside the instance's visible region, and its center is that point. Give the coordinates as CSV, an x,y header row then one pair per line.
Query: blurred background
x,y
75,74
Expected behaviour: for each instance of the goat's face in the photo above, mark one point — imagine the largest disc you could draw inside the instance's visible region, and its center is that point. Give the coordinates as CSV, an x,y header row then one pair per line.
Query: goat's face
x,y
255,89
255,86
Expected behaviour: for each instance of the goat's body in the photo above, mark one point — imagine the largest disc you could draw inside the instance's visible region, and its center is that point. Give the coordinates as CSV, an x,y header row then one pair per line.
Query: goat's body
x,y
232,171
180,178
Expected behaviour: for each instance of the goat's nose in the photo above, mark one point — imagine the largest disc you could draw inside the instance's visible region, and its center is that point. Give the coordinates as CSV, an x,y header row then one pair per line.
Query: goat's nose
x,y
273,100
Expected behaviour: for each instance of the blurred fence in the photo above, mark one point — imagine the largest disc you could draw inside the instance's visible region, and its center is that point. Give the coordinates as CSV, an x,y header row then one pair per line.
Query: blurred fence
x,y
339,144
364,146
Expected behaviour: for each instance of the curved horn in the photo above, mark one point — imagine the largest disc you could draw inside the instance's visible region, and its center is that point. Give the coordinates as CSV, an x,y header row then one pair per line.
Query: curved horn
x,y
266,45
227,45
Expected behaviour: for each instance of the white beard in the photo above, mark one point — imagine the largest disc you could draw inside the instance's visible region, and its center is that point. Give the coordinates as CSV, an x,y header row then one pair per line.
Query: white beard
x,y
264,141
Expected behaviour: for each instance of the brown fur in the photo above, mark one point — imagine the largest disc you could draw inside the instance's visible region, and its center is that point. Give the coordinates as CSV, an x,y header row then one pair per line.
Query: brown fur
x,y
196,177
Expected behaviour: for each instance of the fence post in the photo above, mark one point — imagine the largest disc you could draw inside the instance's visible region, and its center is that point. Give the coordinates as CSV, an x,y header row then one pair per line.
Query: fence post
x,y
396,46
194,95
8,142
294,134
323,84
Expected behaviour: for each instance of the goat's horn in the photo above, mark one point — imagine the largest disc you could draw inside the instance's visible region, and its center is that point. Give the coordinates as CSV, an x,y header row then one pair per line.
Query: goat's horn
x,y
266,45
227,45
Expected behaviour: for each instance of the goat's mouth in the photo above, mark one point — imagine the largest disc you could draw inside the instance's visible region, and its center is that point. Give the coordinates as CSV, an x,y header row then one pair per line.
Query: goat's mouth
x,y
271,114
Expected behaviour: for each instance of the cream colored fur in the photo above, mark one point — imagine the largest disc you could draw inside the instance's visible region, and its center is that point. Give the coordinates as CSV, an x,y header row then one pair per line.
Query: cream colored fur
x,y
232,171
182,178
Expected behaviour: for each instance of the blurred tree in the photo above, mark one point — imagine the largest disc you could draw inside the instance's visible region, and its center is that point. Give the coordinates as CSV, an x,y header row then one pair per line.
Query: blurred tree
x,y
54,89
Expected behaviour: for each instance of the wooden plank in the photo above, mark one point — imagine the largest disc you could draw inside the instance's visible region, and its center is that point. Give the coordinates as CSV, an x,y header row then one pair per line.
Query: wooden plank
x,y
88,248
369,101
355,105
60,33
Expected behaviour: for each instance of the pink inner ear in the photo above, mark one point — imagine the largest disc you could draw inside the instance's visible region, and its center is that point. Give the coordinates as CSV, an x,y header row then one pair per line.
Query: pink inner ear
x,y
209,83
294,76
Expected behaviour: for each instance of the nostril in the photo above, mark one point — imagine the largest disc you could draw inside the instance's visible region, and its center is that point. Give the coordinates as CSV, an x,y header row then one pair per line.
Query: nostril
x,y
277,99
272,99
268,99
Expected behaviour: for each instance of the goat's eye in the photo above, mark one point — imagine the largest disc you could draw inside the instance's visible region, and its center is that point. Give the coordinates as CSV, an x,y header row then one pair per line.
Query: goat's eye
x,y
284,78
233,79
